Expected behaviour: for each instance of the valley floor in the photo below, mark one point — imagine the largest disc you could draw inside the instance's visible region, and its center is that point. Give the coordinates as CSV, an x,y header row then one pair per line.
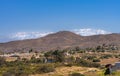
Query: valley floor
x,y
65,71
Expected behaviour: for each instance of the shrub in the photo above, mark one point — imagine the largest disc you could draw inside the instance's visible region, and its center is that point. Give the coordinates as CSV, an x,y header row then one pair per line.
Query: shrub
x,y
8,74
35,60
69,64
58,56
82,62
45,69
90,57
2,61
96,60
57,64
13,72
106,56
76,74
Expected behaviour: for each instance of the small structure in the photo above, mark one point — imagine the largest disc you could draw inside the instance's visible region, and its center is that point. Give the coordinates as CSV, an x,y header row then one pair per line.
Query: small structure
x,y
117,66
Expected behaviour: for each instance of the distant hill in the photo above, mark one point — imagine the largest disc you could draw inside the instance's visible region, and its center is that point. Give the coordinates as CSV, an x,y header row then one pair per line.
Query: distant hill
x,y
60,40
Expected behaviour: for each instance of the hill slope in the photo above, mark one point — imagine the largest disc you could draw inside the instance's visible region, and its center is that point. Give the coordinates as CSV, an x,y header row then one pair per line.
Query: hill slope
x,y
60,40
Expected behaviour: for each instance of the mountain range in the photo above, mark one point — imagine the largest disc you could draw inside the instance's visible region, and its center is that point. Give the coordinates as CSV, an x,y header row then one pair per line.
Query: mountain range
x,y
60,40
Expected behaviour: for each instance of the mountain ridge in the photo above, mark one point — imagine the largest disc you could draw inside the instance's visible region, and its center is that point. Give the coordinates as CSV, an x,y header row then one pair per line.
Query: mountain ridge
x,y
60,40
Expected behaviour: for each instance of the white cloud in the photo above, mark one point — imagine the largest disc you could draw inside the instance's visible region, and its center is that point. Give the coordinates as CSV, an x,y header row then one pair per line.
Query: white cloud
x,y
89,31
28,35
33,35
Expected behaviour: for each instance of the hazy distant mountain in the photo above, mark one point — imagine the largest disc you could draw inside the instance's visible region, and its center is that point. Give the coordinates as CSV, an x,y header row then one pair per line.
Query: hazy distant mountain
x,y
33,35
60,40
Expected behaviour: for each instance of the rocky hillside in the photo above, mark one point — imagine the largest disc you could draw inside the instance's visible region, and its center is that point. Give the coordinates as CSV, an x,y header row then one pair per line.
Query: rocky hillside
x,y
60,40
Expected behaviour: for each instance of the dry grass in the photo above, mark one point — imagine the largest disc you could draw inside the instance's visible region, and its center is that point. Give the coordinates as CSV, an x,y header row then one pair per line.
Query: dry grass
x,y
109,61
11,59
65,71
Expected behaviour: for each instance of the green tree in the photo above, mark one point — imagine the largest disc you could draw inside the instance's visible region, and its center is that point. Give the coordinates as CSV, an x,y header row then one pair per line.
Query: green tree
x,y
58,56
31,50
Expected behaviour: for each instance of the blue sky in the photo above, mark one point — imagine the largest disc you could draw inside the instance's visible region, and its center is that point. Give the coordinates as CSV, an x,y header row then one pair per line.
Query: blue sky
x,y
54,15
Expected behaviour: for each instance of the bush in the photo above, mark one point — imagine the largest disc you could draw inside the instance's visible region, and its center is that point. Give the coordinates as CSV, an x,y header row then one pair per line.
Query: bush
x,y
82,62
106,56
8,74
76,74
45,69
69,64
90,57
58,56
58,64
2,61
96,60
15,73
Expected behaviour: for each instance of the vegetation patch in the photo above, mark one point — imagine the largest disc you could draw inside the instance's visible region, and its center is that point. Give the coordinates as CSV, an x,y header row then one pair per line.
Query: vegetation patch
x,y
76,74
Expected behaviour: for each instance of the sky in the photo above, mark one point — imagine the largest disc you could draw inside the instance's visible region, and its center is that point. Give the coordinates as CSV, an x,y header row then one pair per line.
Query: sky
x,y
24,19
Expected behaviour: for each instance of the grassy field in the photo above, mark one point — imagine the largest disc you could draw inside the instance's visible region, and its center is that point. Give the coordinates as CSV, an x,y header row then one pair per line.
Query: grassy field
x,y
65,71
